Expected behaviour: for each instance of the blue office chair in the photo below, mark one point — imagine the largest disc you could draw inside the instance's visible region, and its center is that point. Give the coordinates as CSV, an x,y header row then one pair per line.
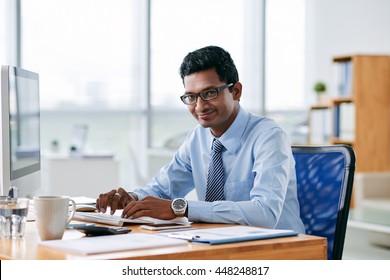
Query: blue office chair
x,y
325,179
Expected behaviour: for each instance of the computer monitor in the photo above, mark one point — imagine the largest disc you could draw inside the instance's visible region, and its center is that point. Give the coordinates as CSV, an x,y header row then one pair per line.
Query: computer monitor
x,y
20,131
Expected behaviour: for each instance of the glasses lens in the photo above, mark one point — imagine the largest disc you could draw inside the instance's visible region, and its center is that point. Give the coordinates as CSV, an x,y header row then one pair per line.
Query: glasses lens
x,y
206,95
188,99
209,94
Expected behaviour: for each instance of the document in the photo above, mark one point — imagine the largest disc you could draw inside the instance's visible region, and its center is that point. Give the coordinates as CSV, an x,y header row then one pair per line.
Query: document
x,y
231,234
112,243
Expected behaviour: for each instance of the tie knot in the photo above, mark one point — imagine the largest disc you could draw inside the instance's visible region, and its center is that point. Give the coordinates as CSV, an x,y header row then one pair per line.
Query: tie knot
x,y
217,146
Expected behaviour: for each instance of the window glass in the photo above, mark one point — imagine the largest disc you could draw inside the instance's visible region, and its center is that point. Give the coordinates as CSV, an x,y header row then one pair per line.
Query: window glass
x,y
87,54
84,52
284,74
181,26
3,31
8,32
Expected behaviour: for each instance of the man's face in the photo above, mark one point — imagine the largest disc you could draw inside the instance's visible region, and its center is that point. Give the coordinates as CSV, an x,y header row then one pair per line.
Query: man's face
x,y
218,113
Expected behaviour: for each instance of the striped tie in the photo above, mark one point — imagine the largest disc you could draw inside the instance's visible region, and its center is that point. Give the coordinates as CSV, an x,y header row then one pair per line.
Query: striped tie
x,y
215,178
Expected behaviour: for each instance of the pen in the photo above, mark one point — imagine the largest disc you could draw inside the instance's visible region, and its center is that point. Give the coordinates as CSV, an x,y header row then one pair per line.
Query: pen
x,y
184,236
75,226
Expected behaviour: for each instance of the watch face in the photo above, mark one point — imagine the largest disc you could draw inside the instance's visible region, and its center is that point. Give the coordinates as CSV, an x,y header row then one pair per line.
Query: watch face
x,y
179,204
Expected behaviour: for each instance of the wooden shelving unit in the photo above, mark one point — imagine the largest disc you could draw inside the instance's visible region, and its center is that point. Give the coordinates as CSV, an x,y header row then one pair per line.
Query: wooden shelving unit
x,y
369,94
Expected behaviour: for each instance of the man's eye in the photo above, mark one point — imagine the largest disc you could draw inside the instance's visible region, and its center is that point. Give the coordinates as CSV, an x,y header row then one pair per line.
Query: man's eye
x,y
208,93
190,97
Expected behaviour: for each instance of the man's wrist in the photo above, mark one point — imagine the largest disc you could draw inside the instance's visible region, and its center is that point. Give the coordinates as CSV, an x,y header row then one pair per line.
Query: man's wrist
x,y
133,195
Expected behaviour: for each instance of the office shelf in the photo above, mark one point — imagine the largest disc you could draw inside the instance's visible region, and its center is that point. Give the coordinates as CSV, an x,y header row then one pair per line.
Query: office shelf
x,y
360,109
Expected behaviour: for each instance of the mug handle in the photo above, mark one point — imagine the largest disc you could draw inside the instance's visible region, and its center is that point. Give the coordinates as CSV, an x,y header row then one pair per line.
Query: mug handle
x,y
73,210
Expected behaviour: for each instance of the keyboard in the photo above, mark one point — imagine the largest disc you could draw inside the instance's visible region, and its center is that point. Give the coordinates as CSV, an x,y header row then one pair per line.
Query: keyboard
x,y
104,218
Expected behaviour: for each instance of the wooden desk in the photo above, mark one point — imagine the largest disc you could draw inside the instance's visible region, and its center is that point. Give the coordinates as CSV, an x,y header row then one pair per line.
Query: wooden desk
x,y
301,247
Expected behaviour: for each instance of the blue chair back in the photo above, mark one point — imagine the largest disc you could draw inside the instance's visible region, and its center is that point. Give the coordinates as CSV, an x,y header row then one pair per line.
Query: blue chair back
x,y
325,179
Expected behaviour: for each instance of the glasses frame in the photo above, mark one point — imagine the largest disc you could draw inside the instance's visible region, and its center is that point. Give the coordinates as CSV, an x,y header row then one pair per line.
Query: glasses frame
x,y
200,94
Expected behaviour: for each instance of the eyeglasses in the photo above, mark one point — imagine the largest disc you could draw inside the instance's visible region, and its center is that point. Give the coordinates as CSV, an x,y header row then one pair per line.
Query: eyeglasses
x,y
206,95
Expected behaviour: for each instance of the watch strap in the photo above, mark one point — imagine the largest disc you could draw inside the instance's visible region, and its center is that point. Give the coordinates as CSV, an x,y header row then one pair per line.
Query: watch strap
x,y
133,195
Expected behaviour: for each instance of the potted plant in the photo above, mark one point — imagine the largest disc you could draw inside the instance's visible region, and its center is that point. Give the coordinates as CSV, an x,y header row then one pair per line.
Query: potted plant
x,y
320,89
55,146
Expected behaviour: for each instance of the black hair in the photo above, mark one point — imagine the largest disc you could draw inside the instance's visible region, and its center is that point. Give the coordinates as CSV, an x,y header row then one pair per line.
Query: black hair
x,y
211,57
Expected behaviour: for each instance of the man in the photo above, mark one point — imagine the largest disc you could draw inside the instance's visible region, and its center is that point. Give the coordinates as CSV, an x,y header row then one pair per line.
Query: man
x,y
255,183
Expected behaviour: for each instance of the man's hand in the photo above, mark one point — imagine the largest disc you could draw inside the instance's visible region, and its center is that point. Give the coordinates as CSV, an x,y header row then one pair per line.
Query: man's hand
x,y
115,199
149,206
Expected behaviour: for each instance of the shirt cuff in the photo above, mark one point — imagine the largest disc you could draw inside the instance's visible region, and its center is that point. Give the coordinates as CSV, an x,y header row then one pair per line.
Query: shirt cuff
x,y
199,211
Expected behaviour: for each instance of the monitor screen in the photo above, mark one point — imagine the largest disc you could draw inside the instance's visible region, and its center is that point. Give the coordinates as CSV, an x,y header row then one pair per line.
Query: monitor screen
x,y
21,160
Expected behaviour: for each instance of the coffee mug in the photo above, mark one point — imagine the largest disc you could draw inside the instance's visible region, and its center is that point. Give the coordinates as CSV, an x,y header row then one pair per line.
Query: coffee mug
x,y
53,213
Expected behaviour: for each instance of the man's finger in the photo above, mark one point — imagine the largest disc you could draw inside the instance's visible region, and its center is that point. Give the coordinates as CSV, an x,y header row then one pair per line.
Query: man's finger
x,y
115,199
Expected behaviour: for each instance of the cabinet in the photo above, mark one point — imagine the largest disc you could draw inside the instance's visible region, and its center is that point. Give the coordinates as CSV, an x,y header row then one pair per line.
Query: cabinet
x,y
359,110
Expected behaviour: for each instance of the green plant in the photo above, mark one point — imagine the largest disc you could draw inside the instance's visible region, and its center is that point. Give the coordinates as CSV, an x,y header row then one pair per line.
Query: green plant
x,y
319,87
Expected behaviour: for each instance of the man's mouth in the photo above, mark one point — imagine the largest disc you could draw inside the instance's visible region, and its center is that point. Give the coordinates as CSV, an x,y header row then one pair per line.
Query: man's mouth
x,y
204,115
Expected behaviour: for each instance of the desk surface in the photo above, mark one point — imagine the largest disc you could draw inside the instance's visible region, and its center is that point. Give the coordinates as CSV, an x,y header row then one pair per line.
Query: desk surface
x,y
296,247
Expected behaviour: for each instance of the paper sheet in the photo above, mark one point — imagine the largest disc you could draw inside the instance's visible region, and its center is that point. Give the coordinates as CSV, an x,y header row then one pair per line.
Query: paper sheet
x,y
112,243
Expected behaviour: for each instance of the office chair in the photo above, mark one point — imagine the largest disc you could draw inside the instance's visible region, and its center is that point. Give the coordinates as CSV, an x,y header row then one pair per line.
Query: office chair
x,y
325,179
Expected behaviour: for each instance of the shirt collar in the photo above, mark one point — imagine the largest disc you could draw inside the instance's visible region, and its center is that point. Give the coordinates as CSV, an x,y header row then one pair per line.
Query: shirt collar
x,y
230,139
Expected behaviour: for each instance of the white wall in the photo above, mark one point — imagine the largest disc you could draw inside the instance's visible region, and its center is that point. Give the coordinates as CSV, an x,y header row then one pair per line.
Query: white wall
x,y
343,27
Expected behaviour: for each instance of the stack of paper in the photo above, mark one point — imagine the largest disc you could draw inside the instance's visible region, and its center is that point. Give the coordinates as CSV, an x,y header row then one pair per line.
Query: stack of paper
x,y
112,243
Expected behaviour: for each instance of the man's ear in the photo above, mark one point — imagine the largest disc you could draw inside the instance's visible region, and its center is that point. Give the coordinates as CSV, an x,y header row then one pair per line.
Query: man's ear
x,y
237,90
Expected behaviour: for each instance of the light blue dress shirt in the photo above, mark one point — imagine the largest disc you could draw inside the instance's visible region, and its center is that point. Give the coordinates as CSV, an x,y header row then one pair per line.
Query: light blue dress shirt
x,y
260,182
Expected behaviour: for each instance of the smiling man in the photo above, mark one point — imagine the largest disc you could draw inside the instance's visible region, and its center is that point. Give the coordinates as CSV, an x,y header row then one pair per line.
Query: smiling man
x,y
241,165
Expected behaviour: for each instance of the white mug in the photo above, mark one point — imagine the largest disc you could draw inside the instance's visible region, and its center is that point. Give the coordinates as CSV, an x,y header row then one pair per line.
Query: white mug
x,y
53,215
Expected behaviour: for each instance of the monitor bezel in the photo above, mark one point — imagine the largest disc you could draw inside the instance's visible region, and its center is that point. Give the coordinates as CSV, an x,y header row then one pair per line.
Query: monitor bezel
x,y
28,177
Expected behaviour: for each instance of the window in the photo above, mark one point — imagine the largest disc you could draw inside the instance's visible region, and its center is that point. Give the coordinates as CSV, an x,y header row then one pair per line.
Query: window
x,y
86,56
89,57
284,56
92,56
8,32
181,26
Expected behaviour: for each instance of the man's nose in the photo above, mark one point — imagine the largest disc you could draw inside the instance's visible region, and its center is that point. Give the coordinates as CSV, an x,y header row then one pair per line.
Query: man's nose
x,y
200,103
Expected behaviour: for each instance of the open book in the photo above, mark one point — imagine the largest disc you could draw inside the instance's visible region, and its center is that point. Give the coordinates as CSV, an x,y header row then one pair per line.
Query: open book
x,y
116,220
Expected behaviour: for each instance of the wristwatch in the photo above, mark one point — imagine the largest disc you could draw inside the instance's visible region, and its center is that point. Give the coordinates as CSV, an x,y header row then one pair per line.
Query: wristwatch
x,y
133,195
179,206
